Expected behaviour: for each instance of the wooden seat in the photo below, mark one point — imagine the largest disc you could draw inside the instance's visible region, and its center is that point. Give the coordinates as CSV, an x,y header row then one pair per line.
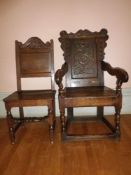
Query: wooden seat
x,y
84,82
34,58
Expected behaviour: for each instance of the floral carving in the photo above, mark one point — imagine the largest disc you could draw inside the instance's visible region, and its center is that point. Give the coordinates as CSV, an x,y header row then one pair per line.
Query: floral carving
x,y
83,59
85,49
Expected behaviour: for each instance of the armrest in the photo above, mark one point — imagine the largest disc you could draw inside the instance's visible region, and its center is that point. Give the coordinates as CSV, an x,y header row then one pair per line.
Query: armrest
x,y
60,74
121,74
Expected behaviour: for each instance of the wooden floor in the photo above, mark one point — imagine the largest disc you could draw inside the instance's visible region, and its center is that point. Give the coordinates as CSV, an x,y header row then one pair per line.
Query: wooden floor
x,y
34,155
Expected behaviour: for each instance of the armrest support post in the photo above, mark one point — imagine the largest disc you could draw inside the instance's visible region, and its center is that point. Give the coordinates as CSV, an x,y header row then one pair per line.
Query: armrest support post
x,y
59,76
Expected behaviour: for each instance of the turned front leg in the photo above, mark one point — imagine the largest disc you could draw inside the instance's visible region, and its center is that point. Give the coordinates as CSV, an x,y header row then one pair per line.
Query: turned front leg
x,y
10,123
62,118
117,120
51,120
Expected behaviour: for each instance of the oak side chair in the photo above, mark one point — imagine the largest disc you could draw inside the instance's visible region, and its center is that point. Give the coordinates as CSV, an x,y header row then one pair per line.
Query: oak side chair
x,y
84,84
34,58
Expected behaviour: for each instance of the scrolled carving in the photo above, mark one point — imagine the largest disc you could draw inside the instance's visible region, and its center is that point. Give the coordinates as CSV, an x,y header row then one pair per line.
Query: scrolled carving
x,y
83,34
100,38
60,74
83,51
35,42
121,74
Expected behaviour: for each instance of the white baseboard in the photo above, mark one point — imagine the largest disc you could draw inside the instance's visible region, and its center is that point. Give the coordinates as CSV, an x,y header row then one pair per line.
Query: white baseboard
x,y
40,111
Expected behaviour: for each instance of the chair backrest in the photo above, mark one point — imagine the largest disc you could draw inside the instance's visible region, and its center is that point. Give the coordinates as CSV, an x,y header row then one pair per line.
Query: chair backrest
x,y
83,52
34,58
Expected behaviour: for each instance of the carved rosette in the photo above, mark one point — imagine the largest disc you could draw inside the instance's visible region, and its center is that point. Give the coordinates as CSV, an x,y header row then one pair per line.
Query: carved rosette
x,y
83,59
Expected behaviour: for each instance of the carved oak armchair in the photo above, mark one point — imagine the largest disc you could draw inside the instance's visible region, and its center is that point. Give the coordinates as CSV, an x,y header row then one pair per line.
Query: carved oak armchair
x,y
84,83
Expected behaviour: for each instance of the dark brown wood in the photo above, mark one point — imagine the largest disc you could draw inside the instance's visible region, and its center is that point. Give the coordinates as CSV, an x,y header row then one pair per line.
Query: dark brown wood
x,y
84,81
120,74
34,58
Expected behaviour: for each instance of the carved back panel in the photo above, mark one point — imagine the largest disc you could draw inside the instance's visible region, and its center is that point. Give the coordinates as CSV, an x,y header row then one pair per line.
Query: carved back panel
x,y
34,58
83,52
